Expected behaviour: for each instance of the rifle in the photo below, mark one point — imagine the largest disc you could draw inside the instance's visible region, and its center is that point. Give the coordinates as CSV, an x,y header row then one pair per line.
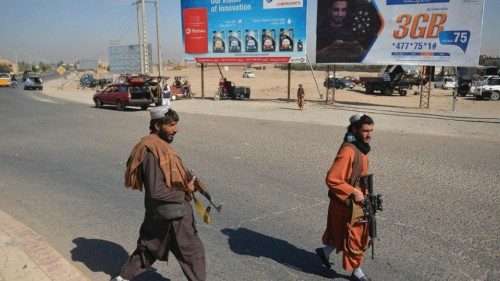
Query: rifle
x,y
371,204
200,187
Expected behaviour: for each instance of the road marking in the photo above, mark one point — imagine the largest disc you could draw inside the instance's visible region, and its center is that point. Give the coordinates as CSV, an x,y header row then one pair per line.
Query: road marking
x,y
44,99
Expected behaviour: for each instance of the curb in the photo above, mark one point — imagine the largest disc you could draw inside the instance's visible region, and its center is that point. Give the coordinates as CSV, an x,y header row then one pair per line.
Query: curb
x,y
46,258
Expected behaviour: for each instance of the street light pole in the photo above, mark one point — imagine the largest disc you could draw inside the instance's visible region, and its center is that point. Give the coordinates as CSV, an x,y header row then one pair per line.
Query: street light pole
x,y
15,56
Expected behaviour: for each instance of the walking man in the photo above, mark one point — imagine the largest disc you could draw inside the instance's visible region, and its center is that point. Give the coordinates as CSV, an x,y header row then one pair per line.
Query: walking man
x,y
300,97
346,231
169,224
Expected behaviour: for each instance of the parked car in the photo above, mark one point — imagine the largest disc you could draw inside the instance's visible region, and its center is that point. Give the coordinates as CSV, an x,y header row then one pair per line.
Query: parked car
x,y
248,74
484,80
33,83
5,80
490,90
134,92
445,83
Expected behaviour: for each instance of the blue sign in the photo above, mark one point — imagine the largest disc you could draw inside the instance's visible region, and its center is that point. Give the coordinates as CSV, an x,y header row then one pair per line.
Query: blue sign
x,y
458,38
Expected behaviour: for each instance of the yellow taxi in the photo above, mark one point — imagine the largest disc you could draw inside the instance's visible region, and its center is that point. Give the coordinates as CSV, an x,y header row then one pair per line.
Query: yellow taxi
x,y
5,80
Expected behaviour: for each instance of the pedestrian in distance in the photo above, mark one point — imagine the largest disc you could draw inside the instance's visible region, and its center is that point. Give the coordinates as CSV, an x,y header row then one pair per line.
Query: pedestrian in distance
x,y
301,97
346,231
166,95
169,224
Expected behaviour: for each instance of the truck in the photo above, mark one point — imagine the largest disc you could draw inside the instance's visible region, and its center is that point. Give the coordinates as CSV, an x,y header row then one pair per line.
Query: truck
x,y
490,90
88,81
392,78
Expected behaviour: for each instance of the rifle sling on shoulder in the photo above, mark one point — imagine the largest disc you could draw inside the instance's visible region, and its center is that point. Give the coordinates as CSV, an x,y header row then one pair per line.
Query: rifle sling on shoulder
x,y
357,165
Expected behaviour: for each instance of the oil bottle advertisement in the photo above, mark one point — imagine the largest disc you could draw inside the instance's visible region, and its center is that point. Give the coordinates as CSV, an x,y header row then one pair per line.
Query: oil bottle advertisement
x,y
243,31
415,32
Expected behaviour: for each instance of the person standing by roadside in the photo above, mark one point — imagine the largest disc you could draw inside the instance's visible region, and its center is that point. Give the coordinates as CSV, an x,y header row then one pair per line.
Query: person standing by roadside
x,y
169,224
346,231
301,97
166,95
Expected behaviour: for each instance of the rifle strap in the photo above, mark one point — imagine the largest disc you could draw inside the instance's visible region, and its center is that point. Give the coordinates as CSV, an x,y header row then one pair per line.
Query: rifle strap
x,y
207,217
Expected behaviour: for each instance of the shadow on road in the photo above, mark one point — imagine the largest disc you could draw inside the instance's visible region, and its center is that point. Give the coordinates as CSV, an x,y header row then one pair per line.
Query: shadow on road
x,y
244,241
108,257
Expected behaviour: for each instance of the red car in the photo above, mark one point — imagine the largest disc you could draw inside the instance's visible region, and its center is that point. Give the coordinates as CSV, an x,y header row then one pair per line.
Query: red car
x,y
354,80
134,92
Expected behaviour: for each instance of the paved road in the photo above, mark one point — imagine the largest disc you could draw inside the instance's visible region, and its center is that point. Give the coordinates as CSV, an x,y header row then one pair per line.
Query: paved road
x,y
62,168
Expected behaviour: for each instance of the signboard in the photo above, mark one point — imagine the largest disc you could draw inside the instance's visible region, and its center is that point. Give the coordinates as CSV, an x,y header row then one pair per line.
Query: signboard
x,y
241,31
60,70
416,32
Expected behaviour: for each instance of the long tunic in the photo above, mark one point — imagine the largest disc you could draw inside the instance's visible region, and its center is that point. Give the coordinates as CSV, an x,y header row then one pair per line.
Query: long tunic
x,y
339,232
301,94
157,237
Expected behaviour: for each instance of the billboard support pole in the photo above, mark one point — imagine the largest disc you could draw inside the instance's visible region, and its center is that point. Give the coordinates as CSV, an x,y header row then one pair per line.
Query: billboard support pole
x,y
202,81
289,74
314,77
455,91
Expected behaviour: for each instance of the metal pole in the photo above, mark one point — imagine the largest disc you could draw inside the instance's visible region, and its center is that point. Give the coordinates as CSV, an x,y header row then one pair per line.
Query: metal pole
x,y
145,38
202,81
289,74
314,77
327,86
15,56
334,76
160,64
141,46
455,91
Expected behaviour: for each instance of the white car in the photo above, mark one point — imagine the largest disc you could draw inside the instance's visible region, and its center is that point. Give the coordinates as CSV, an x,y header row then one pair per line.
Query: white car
x,y
445,83
248,74
490,90
484,81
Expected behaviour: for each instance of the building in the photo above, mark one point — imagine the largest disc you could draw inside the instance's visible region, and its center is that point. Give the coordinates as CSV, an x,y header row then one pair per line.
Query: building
x,y
88,64
127,59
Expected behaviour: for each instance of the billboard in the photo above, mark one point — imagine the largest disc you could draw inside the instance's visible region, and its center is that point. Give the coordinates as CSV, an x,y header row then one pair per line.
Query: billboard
x,y
126,59
243,31
416,32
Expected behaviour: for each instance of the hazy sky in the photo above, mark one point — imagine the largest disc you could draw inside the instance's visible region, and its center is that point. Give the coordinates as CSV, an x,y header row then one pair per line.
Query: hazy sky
x,y
69,30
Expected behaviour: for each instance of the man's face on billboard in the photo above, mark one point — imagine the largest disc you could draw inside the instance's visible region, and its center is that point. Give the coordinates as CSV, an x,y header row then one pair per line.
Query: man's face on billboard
x,y
338,12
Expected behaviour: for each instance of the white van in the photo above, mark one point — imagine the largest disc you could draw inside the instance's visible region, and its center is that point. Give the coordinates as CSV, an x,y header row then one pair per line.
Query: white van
x,y
445,83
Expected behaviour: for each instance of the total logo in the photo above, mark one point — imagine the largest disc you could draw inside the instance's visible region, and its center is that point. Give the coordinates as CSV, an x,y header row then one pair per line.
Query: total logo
x,y
195,31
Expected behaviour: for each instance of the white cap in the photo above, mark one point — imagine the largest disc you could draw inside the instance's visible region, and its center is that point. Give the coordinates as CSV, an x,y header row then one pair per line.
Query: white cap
x,y
355,118
159,111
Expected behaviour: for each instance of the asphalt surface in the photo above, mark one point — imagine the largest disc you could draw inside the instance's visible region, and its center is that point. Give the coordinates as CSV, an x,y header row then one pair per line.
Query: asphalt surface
x,y
62,166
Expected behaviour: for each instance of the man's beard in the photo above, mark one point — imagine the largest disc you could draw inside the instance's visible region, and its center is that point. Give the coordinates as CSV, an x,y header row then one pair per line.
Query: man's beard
x,y
166,137
338,20
360,138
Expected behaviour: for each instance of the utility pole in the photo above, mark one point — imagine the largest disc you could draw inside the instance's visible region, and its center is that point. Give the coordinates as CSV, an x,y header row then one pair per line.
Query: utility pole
x,y
145,38
15,56
160,63
141,19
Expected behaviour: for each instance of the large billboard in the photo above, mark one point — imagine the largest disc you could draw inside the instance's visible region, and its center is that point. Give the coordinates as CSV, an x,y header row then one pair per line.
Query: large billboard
x,y
241,31
416,32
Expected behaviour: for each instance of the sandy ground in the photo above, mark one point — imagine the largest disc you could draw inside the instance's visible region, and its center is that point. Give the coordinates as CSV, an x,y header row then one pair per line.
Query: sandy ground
x,y
471,118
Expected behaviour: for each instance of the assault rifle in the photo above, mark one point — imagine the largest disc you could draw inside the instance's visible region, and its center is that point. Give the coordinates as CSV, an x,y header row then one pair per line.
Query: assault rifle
x,y
371,204
200,187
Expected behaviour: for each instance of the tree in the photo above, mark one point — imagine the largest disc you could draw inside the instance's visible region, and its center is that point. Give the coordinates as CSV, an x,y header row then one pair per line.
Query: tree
x,y
5,67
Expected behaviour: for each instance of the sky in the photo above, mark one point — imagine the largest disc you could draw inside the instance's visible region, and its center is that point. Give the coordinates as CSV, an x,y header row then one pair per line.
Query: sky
x,y
69,30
